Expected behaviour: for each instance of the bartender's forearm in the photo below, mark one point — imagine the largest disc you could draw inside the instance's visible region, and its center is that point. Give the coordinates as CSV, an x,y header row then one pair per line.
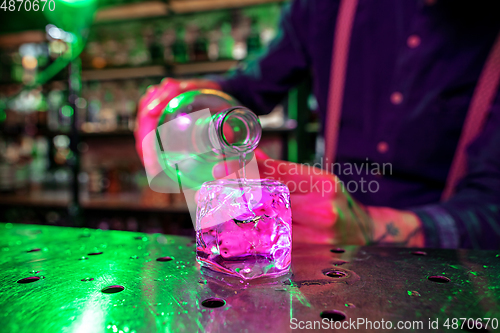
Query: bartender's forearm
x,y
396,227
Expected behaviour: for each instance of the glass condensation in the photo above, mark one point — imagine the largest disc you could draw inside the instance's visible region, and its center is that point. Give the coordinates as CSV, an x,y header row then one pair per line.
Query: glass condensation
x,y
244,228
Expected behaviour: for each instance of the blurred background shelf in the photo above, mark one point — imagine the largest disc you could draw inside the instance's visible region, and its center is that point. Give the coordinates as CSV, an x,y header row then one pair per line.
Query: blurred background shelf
x,y
128,202
205,67
110,134
47,198
23,37
131,45
190,6
151,9
131,11
125,201
123,73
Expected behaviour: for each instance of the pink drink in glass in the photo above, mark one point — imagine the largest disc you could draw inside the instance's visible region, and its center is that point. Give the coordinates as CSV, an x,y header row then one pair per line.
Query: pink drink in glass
x,y
244,227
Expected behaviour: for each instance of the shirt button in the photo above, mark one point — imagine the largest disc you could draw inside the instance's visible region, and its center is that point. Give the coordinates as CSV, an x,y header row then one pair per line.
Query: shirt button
x,y
413,41
396,98
382,147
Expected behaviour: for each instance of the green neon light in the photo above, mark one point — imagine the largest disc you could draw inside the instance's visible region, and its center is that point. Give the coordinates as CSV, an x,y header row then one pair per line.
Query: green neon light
x,y
67,111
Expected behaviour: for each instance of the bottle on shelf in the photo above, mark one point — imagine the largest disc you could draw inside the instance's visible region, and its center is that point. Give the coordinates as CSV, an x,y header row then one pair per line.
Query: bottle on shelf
x,y
56,100
241,32
226,41
201,47
153,47
7,168
179,48
107,115
254,45
139,53
214,36
167,41
39,163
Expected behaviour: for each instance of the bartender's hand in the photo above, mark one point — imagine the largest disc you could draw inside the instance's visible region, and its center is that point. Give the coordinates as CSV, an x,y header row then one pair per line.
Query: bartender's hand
x,y
156,99
324,212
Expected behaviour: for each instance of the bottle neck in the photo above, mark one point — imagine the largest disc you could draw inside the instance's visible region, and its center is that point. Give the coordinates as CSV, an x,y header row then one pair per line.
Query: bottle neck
x,y
235,130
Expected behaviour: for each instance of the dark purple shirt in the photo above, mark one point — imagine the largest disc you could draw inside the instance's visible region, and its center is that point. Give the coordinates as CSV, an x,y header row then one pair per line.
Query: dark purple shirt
x,y
411,74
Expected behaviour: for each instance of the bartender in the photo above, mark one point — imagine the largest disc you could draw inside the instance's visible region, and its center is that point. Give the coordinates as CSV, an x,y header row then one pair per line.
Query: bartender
x,y
394,81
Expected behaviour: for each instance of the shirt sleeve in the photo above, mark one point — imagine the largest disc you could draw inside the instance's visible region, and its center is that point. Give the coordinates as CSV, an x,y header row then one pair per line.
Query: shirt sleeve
x,y
263,83
471,218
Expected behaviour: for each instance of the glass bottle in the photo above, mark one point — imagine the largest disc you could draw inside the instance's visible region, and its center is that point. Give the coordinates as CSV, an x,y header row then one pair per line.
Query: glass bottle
x,y
253,41
200,133
179,47
226,42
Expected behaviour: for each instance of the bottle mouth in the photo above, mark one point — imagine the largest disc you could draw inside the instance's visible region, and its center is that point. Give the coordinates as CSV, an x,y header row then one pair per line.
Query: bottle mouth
x,y
237,130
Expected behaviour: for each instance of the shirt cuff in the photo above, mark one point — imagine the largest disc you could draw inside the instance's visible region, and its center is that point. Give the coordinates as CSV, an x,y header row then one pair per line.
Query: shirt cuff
x,y
440,229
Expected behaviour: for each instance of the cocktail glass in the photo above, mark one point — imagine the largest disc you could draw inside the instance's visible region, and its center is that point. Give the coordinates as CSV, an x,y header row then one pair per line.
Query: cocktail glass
x,y
244,227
